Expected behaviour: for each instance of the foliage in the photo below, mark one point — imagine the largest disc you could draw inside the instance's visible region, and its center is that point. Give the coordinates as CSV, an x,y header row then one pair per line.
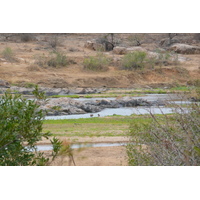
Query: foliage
x,y
39,95
136,39
135,60
56,108
55,59
21,124
96,63
164,57
8,54
54,41
195,91
28,85
167,140
26,37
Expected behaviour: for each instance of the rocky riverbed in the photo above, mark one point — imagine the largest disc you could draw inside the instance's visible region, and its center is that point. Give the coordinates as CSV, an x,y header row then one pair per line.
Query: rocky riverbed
x,y
68,106
48,91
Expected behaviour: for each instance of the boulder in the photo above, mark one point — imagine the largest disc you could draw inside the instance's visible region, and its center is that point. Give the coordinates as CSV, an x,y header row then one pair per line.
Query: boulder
x,y
119,50
4,84
124,50
166,42
89,45
133,49
184,49
73,110
90,108
99,45
93,45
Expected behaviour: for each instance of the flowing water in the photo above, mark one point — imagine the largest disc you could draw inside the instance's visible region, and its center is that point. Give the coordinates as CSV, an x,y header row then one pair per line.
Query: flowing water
x,y
127,111
81,145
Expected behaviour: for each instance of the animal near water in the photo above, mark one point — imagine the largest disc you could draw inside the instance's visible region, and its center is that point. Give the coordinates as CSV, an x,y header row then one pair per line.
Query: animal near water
x,y
91,115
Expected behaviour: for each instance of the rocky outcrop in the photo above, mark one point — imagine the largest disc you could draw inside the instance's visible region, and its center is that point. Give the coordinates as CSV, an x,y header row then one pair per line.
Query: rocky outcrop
x,y
68,106
99,45
4,84
167,42
119,50
50,91
123,50
184,49
133,49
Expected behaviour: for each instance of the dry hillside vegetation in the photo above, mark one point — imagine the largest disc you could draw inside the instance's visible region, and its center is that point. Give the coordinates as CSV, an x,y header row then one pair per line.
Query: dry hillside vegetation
x,y
57,60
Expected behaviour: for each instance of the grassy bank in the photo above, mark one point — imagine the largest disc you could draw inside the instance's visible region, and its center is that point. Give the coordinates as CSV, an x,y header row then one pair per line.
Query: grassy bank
x,y
114,92
111,126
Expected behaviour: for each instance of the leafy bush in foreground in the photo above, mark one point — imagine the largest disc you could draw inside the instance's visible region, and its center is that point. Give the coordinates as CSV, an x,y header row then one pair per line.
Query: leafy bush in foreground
x,y
20,129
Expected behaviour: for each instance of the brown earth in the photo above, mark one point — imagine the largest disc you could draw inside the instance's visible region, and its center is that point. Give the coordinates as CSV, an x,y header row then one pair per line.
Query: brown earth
x,y
72,45
95,156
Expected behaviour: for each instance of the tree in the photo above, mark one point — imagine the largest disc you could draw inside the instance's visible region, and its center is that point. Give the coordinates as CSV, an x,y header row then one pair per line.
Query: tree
x,y
171,36
167,140
21,123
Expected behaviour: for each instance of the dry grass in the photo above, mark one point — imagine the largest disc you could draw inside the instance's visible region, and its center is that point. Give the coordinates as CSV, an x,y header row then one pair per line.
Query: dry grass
x,y
74,75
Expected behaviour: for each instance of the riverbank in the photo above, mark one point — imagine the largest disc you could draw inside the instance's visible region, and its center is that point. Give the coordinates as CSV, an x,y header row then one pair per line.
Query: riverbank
x,y
111,129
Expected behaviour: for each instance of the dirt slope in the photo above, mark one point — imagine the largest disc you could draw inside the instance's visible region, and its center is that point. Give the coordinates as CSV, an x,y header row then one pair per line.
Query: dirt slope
x,y
72,45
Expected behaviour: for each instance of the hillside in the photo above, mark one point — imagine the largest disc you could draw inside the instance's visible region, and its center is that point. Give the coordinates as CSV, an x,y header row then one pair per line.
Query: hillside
x,y
28,49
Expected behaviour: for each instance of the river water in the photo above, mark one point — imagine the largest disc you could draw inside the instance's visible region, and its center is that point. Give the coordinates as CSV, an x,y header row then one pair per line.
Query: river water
x,y
81,145
127,111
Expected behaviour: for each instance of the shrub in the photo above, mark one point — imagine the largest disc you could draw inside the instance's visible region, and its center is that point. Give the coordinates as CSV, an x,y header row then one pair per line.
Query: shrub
x,y
40,60
33,67
54,41
163,57
29,85
195,92
55,59
197,36
135,60
8,54
136,39
96,63
21,123
167,140
26,37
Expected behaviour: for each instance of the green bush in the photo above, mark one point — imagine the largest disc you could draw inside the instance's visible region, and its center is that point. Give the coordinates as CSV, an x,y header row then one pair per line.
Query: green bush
x,y
96,63
26,37
55,59
21,123
8,54
165,58
135,60
136,39
167,140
